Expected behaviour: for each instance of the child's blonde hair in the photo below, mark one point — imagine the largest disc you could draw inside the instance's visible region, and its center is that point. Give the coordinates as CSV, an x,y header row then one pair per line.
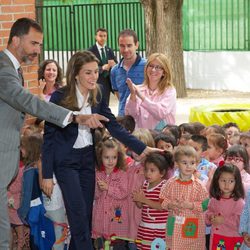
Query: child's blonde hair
x,y
110,143
218,140
184,150
145,136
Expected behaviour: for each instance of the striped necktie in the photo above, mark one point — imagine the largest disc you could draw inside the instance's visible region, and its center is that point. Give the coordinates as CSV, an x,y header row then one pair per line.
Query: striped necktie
x,y
20,74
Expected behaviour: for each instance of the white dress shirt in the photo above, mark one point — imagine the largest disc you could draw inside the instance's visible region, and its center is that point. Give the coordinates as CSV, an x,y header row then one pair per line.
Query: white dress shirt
x,y
13,59
84,137
99,49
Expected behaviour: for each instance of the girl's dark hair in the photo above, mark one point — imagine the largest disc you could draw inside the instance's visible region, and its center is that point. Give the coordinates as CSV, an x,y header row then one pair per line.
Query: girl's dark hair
x,y
240,151
32,145
238,191
110,142
164,161
187,128
174,130
127,121
230,124
198,127
166,138
202,140
59,76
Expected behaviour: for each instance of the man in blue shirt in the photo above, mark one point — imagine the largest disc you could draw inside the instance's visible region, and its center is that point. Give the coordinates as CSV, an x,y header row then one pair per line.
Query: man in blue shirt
x,y
131,66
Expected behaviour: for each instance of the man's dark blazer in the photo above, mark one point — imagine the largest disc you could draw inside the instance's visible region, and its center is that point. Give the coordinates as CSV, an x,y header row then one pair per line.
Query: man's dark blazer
x,y
104,78
58,142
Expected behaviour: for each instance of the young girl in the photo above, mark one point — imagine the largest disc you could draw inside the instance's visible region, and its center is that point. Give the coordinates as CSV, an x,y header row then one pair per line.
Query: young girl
x,y
244,229
31,210
153,223
14,197
55,211
135,181
245,141
217,145
225,207
110,201
165,142
238,156
185,197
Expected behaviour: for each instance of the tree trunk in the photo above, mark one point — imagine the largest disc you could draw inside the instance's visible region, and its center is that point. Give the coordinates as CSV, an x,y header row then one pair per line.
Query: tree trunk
x,y
163,26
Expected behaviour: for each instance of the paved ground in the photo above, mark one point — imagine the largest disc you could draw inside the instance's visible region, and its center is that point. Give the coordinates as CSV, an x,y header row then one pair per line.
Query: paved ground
x,y
197,98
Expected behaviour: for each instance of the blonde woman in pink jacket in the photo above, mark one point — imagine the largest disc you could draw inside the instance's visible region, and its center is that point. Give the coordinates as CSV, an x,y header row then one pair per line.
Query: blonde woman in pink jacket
x,y
153,104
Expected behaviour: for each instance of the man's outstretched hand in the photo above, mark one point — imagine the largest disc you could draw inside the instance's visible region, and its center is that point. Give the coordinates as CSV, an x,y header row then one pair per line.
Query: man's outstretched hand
x,y
92,120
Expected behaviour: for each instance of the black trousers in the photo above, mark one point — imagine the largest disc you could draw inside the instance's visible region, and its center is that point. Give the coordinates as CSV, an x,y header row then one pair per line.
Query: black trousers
x,y
76,178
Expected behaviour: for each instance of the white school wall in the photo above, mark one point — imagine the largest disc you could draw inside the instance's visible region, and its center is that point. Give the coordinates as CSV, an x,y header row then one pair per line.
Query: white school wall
x,y
217,70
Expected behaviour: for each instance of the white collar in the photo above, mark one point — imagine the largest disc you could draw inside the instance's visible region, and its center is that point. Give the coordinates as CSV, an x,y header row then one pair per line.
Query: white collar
x,y
99,47
12,58
80,99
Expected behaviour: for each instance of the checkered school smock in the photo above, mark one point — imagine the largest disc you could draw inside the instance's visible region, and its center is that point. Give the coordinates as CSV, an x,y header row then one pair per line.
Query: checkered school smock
x,y
185,227
110,210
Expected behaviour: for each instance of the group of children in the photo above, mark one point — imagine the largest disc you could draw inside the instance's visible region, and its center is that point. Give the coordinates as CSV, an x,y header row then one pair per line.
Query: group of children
x,y
193,193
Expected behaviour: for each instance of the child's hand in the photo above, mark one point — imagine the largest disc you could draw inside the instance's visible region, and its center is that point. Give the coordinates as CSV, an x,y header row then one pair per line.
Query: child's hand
x,y
217,219
186,205
246,237
103,185
197,174
138,196
173,205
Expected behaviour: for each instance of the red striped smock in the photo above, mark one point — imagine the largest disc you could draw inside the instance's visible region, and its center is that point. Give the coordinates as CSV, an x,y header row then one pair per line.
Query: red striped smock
x,y
153,223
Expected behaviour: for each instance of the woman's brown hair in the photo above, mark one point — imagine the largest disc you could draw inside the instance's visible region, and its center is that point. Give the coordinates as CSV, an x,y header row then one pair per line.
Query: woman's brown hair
x,y
59,77
75,64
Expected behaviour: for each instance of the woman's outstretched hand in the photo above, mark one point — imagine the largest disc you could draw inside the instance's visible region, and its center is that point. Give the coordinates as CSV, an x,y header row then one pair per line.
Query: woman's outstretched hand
x,y
148,150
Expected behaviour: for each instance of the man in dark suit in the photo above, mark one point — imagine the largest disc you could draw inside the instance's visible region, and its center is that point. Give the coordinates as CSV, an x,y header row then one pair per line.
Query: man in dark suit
x,y
107,60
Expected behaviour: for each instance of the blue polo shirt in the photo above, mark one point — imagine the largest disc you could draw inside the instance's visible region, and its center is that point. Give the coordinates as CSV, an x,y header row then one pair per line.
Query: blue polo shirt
x,y
119,76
